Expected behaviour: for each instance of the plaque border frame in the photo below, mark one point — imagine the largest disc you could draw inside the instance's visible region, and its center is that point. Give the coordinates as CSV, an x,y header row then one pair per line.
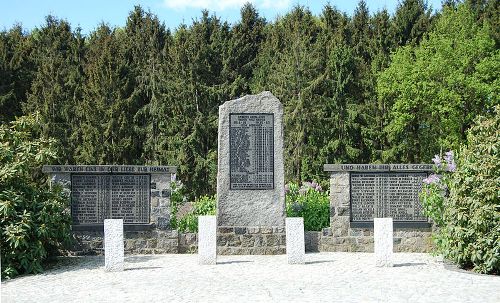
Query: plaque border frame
x,y
99,226
396,223
274,169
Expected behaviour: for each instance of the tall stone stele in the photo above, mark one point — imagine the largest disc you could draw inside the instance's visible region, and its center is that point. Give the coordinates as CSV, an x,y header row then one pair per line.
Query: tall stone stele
x,y
250,177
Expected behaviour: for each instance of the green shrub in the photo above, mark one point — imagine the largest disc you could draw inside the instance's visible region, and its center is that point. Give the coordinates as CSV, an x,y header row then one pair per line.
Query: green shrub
x,y
205,205
177,199
34,219
464,199
310,202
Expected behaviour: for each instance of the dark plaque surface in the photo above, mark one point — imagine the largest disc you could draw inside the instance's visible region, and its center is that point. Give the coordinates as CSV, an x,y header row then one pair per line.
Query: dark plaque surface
x,y
251,149
130,198
98,197
377,195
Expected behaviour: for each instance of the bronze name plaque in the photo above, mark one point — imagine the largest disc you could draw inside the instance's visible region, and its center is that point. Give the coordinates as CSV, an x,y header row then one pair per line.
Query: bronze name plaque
x,y
98,197
251,151
395,195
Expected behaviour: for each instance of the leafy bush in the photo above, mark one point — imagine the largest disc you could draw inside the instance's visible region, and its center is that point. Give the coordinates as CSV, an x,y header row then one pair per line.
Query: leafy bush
x,y
205,205
310,202
188,222
464,199
34,219
177,199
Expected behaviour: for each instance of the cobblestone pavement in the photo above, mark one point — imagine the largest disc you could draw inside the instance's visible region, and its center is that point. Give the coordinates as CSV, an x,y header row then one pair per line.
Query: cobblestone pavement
x,y
327,277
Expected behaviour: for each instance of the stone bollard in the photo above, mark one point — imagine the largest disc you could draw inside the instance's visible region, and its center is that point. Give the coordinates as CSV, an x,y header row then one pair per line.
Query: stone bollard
x,y
113,245
383,239
207,240
295,246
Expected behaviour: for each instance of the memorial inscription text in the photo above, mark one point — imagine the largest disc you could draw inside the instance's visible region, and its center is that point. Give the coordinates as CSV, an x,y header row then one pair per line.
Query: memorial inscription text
x,y
379,195
98,197
251,149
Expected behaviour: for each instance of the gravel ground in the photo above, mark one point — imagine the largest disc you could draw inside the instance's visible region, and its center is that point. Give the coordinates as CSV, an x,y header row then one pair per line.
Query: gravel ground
x,y
326,277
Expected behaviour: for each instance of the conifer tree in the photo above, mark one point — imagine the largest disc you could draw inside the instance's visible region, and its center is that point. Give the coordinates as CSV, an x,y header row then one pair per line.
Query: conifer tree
x,y
411,21
196,90
242,50
56,86
143,43
290,77
103,102
16,71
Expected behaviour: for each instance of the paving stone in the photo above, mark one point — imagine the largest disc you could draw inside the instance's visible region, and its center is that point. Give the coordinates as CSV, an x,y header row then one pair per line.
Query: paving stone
x,y
326,277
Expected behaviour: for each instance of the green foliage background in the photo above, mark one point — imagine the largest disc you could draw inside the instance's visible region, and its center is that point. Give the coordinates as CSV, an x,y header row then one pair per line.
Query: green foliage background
x,y
34,219
465,204
310,202
367,88
371,87
188,222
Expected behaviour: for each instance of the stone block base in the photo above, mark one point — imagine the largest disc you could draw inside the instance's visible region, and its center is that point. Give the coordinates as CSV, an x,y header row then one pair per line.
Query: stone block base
x,y
251,240
135,242
361,240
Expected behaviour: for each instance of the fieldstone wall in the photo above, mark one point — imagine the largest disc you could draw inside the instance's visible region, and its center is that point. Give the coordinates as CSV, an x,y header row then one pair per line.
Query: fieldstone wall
x,y
361,240
155,237
251,240
159,194
188,243
135,242
340,236
160,200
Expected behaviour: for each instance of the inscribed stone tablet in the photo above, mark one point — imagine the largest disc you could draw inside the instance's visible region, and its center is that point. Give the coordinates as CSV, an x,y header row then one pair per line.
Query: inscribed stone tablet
x,y
386,195
251,140
89,196
250,172
96,197
130,198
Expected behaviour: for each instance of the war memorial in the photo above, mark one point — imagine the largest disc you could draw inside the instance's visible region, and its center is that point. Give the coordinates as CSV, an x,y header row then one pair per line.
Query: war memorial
x,y
250,196
121,224
250,151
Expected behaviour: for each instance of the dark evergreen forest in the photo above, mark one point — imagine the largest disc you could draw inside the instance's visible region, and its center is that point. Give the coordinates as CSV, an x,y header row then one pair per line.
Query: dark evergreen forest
x,y
366,88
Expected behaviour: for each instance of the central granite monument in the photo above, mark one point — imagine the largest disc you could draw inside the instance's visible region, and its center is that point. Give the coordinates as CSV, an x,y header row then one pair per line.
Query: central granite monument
x,y
250,177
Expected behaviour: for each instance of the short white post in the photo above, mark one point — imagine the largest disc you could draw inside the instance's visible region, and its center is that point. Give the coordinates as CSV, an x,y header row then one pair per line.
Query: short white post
x,y
113,245
207,240
383,239
295,246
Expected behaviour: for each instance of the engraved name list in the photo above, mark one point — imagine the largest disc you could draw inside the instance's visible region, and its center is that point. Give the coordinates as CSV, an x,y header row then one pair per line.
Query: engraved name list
x,y
251,149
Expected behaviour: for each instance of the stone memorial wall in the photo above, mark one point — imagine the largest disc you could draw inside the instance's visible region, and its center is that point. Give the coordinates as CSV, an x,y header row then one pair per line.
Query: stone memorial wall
x,y
140,195
361,192
250,177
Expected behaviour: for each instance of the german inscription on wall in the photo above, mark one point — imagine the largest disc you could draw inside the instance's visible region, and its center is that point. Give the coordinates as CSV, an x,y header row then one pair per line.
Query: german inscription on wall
x,y
251,149
386,195
98,197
